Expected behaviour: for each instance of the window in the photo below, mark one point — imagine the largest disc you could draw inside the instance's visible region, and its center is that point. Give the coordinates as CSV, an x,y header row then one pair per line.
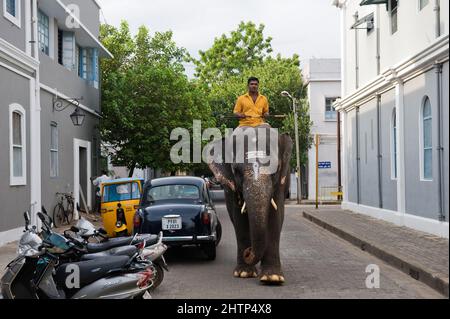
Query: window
x,y
11,7
68,50
394,145
427,140
423,4
17,123
54,147
172,192
330,112
43,32
88,65
82,63
120,192
393,12
11,11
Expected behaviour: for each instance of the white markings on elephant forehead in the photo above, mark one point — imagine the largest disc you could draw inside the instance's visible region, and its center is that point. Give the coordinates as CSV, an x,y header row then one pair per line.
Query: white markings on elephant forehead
x,y
256,171
256,155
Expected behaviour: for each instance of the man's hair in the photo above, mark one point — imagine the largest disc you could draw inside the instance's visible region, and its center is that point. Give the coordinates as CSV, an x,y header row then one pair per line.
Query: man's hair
x,y
252,79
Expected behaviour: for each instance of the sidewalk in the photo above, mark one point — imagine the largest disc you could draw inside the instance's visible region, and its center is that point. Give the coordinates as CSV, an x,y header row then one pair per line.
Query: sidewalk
x,y
423,256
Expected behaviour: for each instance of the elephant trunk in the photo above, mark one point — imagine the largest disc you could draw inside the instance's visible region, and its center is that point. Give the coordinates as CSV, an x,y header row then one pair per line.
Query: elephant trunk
x,y
258,235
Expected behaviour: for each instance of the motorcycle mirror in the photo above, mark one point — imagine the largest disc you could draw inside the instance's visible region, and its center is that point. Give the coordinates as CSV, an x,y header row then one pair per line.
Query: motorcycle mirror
x,y
26,215
75,229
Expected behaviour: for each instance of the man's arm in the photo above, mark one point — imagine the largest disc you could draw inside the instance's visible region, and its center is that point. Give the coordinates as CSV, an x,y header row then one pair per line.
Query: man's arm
x,y
238,110
266,109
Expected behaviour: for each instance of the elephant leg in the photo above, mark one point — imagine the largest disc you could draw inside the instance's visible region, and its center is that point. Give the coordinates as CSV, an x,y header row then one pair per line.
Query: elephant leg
x,y
242,231
271,270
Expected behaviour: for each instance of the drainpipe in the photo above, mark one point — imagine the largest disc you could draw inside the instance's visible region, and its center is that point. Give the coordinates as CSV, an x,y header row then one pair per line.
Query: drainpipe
x,y
358,159
378,57
401,182
35,123
437,11
441,184
379,156
355,16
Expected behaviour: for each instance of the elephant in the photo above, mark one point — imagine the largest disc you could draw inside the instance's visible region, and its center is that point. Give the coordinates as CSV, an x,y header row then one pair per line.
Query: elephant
x,y
255,198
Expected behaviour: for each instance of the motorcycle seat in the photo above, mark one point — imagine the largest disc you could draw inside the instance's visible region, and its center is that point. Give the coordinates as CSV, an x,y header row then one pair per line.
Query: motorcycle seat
x,y
149,239
107,245
90,271
122,241
128,251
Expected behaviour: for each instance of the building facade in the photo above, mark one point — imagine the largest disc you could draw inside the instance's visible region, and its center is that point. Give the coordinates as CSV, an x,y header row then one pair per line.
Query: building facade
x,y
49,53
395,109
323,80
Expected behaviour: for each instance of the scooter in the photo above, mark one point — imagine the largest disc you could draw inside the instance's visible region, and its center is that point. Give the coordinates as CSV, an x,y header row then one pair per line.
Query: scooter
x,y
34,273
85,231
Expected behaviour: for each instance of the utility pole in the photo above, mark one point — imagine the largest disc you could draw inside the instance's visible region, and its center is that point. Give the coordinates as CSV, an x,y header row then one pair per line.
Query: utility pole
x,y
317,170
297,145
339,155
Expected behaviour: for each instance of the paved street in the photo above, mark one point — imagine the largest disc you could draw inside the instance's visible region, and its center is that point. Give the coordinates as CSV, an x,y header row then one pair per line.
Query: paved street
x,y
317,264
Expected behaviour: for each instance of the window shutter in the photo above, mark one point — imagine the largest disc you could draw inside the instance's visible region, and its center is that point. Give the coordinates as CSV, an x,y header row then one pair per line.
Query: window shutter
x,y
94,67
69,50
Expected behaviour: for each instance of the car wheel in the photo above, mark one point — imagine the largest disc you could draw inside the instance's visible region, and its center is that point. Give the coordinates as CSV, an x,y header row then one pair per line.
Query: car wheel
x,y
210,250
218,233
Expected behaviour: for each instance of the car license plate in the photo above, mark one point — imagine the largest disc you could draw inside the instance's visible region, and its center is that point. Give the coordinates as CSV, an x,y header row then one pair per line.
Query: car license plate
x,y
171,223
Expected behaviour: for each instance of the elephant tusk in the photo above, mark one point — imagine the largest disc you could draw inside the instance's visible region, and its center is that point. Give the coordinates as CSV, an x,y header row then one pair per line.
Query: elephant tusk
x,y
243,208
274,204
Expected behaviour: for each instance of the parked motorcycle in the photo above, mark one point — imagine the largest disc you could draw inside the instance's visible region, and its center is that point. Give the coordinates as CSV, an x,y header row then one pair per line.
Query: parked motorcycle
x,y
85,231
36,273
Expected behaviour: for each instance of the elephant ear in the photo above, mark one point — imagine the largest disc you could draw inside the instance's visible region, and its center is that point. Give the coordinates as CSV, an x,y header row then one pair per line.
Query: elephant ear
x,y
285,146
222,171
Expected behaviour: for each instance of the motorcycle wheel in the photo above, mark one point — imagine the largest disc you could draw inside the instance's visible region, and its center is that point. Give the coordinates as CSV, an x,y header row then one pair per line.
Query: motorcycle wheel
x,y
159,276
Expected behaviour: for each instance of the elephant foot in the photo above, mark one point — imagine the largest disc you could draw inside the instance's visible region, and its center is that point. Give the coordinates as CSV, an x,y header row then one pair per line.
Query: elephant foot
x,y
271,277
245,272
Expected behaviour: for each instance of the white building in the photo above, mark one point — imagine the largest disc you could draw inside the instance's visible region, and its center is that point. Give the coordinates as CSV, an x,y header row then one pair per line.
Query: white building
x,y
323,80
395,109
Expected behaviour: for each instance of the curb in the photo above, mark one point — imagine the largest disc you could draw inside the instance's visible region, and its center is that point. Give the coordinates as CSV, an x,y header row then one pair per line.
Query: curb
x,y
435,281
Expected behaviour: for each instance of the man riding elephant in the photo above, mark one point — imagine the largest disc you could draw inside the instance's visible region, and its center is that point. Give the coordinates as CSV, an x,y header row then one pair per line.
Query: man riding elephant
x,y
252,108
253,165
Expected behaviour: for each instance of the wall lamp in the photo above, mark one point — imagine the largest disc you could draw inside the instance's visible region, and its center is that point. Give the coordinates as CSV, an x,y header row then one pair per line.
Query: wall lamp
x,y
60,104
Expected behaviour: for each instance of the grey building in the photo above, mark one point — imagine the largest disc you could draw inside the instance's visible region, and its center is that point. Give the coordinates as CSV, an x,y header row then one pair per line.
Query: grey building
x,y
49,55
395,108
323,80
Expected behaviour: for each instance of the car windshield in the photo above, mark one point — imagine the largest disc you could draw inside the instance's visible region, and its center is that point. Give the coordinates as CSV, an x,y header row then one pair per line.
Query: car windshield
x,y
120,192
170,192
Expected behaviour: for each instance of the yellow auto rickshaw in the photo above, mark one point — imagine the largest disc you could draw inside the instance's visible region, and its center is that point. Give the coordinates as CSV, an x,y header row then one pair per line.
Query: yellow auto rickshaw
x,y
119,200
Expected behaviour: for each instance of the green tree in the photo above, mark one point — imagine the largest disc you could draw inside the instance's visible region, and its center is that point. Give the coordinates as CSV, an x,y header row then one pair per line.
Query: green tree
x,y
145,95
231,55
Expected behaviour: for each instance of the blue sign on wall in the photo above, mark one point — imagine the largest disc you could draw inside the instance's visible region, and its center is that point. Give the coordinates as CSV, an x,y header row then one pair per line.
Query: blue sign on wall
x,y
324,165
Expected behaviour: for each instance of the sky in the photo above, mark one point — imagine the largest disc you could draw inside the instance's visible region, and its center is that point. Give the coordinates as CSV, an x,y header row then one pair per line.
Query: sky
x,y
309,28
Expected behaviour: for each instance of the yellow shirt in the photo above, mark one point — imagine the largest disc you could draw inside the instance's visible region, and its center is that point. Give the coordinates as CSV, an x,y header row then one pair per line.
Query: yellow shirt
x,y
246,106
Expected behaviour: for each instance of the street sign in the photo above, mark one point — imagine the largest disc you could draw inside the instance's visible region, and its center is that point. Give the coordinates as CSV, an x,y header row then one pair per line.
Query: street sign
x,y
324,165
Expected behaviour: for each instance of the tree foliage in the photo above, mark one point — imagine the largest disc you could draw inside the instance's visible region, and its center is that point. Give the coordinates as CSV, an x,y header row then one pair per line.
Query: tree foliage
x,y
145,95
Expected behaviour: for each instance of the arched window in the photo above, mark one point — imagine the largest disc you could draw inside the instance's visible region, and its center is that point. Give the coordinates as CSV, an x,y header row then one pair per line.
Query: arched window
x,y
427,140
394,144
17,145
